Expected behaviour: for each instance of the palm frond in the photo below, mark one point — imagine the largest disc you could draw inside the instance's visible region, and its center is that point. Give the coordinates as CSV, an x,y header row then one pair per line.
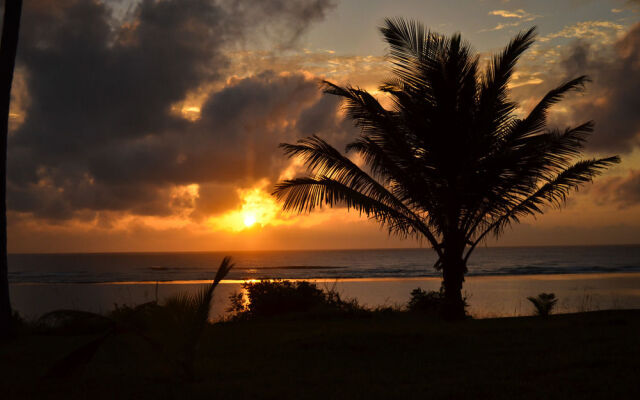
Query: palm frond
x,y
366,112
201,303
494,108
202,300
516,172
553,192
327,164
308,193
536,120
502,64
324,160
411,49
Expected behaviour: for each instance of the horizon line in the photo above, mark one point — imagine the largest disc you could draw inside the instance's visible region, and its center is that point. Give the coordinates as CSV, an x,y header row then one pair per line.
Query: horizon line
x,y
301,250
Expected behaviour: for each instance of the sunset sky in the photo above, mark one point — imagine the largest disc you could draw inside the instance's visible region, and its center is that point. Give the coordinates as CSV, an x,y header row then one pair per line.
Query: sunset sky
x,y
154,125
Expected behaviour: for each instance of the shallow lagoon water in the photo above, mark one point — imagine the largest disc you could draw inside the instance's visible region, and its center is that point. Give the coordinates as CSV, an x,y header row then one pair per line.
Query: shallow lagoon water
x,y
488,296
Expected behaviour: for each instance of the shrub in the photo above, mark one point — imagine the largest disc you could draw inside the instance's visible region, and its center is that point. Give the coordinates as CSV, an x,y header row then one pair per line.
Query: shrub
x,y
143,316
277,297
76,322
543,303
428,302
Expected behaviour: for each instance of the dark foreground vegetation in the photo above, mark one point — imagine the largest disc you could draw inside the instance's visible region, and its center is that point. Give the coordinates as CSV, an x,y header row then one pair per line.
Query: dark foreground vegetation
x,y
295,340
384,354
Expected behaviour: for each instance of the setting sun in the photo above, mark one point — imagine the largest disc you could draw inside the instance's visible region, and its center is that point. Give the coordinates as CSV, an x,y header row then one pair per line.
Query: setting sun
x,y
258,209
249,220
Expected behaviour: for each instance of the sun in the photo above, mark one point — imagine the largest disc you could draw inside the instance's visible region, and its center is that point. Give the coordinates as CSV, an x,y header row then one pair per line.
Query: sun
x,y
249,220
258,210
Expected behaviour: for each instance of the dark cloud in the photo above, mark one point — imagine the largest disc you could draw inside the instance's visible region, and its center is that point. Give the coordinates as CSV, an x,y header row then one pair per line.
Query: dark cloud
x,y
613,99
623,191
99,133
235,139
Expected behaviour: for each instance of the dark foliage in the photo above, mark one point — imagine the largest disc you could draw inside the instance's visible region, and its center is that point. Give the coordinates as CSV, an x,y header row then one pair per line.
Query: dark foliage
x,y
64,322
19,325
397,356
428,302
268,298
173,329
143,317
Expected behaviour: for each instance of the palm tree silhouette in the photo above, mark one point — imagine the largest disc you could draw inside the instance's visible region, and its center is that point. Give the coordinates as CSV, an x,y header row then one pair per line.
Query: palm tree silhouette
x,y
8,49
450,161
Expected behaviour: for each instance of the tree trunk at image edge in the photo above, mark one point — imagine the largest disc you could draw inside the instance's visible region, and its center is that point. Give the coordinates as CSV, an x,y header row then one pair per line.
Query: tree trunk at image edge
x,y
8,48
453,271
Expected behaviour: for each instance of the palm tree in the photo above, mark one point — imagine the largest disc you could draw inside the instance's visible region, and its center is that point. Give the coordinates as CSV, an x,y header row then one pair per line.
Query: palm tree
x,y
450,161
8,48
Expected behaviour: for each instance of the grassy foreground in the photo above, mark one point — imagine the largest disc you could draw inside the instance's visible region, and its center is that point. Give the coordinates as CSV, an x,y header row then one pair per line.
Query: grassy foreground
x,y
395,355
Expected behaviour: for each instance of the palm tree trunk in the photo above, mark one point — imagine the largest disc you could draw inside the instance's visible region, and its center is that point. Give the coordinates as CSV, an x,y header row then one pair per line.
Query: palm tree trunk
x,y
8,48
453,270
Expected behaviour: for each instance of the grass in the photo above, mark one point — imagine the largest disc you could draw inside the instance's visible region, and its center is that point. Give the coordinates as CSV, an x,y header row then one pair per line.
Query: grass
x,y
383,355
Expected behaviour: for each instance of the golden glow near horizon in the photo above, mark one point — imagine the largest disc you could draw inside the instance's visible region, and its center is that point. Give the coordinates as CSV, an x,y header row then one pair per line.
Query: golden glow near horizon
x,y
258,209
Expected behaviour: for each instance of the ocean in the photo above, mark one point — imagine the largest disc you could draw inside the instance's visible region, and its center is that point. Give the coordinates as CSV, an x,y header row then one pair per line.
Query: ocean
x,y
314,264
498,283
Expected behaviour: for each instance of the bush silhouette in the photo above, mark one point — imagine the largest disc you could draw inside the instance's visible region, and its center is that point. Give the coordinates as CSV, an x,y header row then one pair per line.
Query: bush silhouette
x,y
277,297
428,302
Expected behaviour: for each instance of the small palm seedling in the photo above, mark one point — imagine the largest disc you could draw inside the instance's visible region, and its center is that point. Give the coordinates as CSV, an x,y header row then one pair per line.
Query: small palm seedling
x,y
200,303
543,303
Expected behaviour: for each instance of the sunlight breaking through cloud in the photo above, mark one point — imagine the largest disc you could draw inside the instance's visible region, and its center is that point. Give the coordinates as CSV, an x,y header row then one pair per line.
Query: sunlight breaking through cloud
x,y
258,209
